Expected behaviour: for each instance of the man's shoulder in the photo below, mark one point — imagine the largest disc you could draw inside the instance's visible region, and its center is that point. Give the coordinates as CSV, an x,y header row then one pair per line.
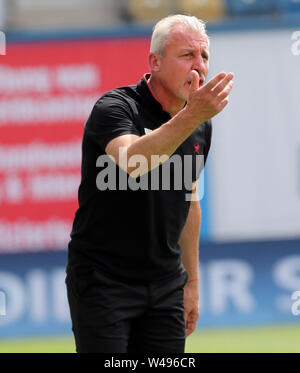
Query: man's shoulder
x,y
120,99
123,94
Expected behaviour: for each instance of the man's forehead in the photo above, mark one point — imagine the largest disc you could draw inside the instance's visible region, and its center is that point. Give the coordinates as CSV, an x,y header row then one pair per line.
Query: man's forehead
x,y
185,37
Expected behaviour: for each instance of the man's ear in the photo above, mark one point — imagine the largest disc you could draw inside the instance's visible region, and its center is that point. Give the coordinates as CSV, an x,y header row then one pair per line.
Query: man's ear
x,y
154,62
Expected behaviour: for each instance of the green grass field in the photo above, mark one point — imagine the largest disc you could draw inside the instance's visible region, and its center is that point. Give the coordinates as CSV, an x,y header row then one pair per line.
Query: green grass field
x,y
278,339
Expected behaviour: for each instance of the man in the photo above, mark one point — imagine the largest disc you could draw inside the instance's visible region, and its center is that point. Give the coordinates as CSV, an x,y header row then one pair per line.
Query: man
x,y
132,274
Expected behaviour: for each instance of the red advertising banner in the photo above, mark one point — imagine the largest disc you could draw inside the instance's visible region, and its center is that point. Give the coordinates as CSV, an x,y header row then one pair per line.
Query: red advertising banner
x,y
47,90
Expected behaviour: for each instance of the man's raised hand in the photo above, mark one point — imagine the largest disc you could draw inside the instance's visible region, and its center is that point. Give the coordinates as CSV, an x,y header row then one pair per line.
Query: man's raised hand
x,y
207,101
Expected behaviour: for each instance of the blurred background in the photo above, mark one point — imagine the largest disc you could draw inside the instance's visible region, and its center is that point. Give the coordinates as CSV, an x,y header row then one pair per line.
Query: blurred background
x,y
56,59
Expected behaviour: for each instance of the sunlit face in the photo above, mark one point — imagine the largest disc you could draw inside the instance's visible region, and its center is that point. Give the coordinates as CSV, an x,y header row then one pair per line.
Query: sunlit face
x,y
185,50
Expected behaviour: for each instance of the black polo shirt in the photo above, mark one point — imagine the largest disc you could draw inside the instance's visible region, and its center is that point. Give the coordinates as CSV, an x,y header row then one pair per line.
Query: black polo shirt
x,y
132,232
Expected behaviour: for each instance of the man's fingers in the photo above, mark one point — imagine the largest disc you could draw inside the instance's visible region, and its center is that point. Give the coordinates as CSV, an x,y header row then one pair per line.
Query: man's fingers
x,y
223,83
210,99
190,327
225,92
194,79
214,81
223,103
191,321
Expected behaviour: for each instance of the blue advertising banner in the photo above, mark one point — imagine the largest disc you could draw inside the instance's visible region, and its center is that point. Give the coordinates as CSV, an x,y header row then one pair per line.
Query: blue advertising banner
x,y
35,301
241,284
249,283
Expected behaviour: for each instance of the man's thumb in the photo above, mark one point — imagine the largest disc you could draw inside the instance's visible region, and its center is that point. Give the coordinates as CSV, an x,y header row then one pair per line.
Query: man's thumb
x,y
194,79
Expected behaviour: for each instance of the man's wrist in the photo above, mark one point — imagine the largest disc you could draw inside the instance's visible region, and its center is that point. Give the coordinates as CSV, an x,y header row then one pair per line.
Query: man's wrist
x,y
188,118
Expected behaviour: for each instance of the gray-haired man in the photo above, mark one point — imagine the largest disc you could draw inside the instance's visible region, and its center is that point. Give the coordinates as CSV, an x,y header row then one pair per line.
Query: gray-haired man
x,y
132,274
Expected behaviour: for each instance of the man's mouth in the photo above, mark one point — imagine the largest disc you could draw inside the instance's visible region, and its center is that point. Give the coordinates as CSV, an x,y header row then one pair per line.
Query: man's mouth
x,y
201,79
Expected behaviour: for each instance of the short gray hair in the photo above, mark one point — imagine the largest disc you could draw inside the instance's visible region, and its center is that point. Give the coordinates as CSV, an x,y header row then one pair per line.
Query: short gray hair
x,y
163,28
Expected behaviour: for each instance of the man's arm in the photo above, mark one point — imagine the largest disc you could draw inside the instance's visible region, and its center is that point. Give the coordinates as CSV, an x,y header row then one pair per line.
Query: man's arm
x,y
203,103
189,242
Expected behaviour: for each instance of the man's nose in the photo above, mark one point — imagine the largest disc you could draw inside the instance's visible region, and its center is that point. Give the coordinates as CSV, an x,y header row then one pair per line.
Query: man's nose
x,y
199,65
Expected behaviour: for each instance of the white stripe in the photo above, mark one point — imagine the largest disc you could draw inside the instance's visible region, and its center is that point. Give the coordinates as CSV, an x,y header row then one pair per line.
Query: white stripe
x,y
147,130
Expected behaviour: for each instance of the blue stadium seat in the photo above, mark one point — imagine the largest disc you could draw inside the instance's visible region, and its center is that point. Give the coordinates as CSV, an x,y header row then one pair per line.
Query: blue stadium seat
x,y
241,7
288,6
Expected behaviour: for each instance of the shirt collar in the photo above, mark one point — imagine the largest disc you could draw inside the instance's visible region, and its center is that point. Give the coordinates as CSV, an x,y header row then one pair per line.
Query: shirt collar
x,y
149,98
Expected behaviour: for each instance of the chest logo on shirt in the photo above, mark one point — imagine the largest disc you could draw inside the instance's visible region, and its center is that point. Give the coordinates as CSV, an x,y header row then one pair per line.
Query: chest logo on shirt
x,y
196,148
147,130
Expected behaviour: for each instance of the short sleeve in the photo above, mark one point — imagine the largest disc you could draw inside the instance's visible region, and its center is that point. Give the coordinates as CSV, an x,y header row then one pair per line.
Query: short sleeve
x,y
208,135
111,117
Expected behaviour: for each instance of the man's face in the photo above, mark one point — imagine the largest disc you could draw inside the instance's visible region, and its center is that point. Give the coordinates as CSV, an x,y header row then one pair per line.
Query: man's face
x,y
185,50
